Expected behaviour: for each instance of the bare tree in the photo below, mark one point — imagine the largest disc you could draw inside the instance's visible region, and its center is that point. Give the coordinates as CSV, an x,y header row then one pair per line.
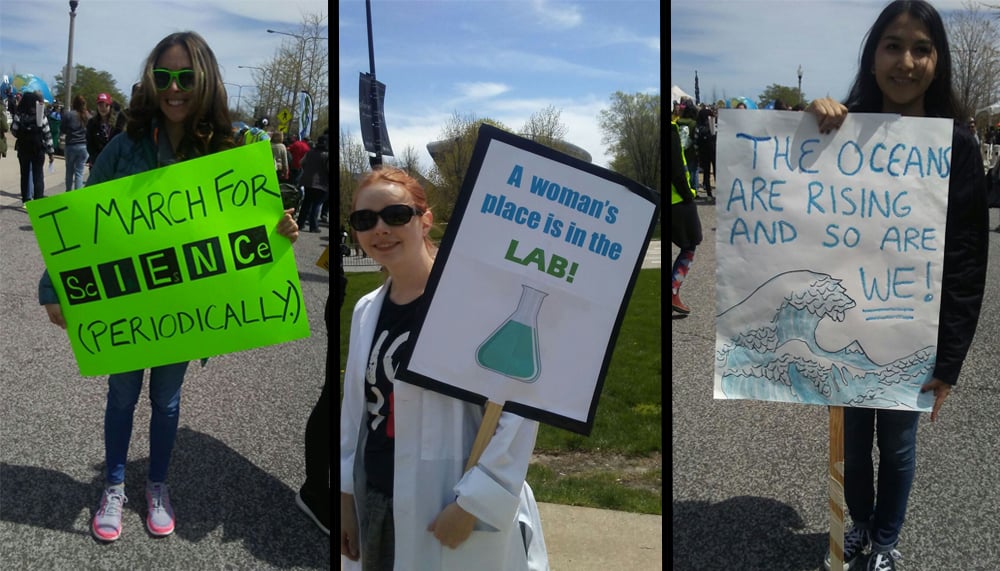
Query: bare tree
x,y
631,127
409,161
545,127
353,164
974,38
302,62
458,138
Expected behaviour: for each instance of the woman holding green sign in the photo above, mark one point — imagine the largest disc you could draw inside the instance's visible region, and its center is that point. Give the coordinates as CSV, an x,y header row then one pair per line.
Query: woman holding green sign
x,y
179,112
406,501
906,69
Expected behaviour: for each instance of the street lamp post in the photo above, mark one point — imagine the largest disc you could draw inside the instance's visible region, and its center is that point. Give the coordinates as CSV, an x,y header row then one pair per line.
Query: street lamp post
x,y
239,92
262,72
69,56
375,161
800,83
298,74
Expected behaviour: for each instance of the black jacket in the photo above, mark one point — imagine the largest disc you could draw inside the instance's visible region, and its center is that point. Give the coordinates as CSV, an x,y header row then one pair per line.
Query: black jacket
x,y
98,137
316,170
966,249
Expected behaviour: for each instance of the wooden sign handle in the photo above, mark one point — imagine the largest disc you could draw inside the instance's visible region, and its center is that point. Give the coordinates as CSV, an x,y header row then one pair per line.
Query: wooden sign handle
x,y
486,430
836,487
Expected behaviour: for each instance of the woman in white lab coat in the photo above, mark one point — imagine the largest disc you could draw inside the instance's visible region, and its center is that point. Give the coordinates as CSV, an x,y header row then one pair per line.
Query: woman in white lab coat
x,y
406,502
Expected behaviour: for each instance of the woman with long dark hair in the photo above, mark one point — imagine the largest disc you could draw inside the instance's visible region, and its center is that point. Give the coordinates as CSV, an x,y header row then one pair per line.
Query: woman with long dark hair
x,y
906,70
180,112
103,126
74,125
34,140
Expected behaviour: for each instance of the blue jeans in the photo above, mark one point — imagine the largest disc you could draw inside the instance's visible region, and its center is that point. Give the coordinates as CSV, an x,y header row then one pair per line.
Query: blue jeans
x,y
165,400
76,158
693,172
881,512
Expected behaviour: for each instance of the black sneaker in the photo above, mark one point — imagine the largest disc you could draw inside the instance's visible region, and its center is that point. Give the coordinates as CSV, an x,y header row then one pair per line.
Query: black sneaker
x,y
856,541
319,513
883,561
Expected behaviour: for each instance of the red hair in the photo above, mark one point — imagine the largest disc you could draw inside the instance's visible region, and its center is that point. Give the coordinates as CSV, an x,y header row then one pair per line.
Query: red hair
x,y
401,178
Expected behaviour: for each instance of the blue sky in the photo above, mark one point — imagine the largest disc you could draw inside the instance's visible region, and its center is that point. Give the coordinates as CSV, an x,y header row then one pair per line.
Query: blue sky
x,y
739,48
117,35
503,60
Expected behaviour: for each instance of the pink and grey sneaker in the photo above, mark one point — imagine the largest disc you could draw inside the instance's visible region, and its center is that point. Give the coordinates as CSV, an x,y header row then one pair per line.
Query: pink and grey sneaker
x,y
107,524
160,519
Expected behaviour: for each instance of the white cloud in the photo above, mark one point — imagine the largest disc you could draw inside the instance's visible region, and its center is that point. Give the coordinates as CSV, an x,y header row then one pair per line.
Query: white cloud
x,y
481,90
559,16
35,41
416,128
620,35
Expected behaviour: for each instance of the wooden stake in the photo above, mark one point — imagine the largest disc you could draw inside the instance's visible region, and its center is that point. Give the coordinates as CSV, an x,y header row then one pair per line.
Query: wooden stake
x,y
836,487
491,417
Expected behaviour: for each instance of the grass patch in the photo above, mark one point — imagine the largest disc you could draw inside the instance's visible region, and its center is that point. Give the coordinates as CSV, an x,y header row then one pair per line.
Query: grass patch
x,y
629,413
600,490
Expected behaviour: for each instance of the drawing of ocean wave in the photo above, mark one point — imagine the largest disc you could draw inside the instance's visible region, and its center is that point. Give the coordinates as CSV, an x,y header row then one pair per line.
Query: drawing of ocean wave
x,y
771,352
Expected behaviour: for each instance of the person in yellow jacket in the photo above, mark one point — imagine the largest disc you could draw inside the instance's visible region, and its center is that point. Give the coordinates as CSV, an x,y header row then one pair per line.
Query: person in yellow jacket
x,y
685,226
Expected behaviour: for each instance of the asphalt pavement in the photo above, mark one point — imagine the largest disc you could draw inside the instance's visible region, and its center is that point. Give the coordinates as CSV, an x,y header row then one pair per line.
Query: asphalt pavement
x,y
237,462
750,483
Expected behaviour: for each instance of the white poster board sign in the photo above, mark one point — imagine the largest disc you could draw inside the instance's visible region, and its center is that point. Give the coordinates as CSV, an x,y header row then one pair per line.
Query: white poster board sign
x,y
531,282
830,250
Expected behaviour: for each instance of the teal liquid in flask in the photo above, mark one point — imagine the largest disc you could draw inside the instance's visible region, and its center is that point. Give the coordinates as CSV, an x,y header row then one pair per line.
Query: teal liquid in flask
x,y
512,350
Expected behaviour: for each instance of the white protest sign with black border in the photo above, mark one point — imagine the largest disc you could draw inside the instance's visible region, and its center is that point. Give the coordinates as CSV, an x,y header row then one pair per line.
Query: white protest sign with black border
x,y
830,253
530,284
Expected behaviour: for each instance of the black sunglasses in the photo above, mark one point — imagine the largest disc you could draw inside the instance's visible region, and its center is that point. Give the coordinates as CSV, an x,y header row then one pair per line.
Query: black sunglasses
x,y
394,215
162,78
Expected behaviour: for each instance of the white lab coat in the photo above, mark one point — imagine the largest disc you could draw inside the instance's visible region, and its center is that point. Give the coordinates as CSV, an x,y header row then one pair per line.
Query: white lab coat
x,y
433,438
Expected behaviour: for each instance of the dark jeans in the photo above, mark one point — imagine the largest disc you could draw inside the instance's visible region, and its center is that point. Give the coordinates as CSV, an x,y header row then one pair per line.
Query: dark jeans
x,y
706,156
318,428
317,484
881,512
311,204
32,165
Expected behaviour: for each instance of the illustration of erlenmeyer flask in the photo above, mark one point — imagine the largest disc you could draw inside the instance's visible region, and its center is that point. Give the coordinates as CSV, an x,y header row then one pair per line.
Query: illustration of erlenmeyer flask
x,y
512,350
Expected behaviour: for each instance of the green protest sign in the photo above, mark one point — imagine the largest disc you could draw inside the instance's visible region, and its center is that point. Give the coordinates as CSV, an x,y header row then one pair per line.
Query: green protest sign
x,y
174,264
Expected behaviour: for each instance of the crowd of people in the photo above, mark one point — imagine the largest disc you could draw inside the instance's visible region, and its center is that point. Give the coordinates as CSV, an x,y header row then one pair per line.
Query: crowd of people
x,y
697,127
80,134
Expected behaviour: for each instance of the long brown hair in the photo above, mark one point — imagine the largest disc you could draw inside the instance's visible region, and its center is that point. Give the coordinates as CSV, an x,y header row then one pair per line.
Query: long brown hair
x,y
208,129
80,106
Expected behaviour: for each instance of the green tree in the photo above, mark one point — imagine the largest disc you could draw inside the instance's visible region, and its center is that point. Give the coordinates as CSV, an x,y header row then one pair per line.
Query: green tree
x,y
631,128
790,95
89,83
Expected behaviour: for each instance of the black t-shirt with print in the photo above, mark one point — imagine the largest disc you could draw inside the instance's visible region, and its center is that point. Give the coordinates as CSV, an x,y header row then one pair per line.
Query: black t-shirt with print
x,y
393,340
